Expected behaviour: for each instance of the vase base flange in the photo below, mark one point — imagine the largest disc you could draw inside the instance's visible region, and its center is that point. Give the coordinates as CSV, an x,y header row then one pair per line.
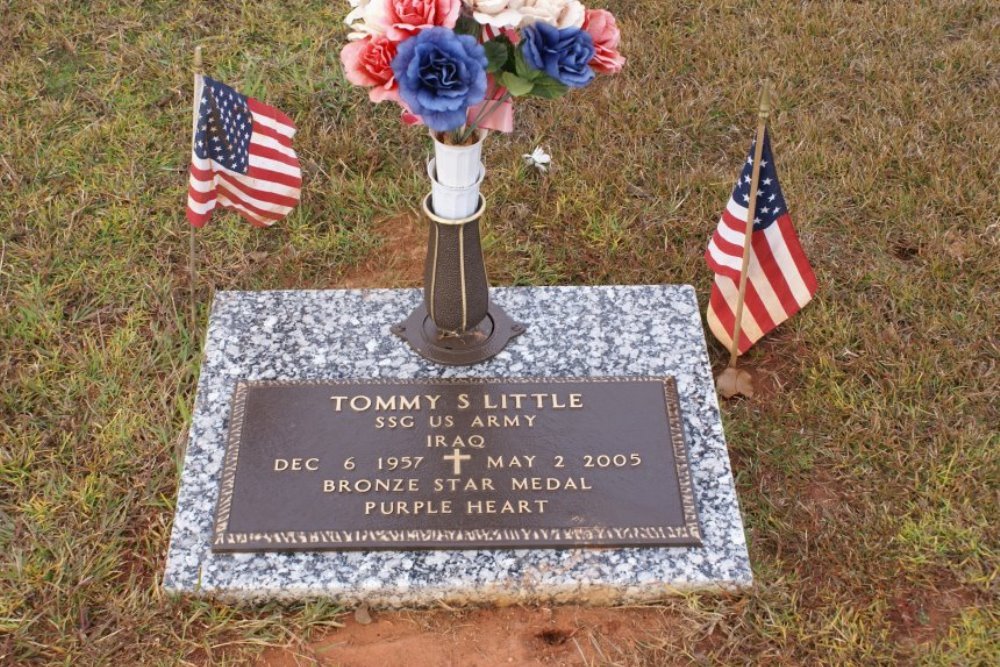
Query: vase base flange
x,y
481,342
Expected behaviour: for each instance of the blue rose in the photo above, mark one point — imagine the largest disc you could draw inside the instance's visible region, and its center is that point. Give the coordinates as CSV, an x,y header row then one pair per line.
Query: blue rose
x,y
564,55
440,75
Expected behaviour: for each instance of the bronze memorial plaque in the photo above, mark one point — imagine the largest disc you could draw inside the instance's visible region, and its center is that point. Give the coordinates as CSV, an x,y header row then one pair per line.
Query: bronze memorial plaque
x,y
455,464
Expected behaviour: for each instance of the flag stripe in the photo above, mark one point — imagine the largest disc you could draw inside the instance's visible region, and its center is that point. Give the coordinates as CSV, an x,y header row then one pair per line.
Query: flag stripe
x,y
754,304
797,255
271,194
266,131
202,207
200,186
198,218
261,153
258,108
201,192
723,263
735,215
720,317
251,217
274,166
262,209
273,177
730,291
274,124
722,301
259,139
765,290
732,232
773,274
783,257
734,222
278,128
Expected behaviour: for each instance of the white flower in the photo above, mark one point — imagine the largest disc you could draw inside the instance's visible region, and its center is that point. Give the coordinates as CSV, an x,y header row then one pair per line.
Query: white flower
x,y
560,13
496,13
365,19
519,13
538,159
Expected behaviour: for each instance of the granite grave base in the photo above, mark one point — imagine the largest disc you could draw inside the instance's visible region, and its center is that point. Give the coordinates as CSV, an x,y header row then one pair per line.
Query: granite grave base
x,y
650,330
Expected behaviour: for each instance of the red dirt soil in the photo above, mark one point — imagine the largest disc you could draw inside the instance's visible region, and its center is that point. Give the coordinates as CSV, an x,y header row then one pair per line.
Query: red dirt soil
x,y
398,262
520,636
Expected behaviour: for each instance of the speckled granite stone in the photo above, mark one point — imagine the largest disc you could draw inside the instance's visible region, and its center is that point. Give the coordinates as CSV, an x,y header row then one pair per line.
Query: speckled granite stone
x,y
573,331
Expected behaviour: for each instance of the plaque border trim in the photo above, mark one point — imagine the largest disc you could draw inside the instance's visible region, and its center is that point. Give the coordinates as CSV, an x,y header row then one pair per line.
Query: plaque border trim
x,y
423,538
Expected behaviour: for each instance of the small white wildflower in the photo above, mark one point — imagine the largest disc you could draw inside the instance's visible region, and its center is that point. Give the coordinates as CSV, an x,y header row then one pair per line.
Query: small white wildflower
x,y
538,159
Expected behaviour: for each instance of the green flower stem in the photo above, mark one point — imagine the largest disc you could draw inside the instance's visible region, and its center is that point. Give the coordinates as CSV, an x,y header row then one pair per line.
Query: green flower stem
x,y
483,114
468,129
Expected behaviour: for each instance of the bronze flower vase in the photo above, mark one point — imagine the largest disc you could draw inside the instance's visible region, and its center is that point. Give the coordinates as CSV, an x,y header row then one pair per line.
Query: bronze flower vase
x,y
456,324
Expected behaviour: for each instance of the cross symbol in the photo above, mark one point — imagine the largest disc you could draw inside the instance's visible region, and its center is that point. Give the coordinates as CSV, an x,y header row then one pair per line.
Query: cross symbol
x,y
456,460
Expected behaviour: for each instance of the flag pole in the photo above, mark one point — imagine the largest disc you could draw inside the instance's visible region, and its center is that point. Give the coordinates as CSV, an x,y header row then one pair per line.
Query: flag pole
x,y
762,115
192,256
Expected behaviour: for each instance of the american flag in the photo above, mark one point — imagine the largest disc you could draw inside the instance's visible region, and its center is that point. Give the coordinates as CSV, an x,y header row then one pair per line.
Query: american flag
x,y
241,157
779,279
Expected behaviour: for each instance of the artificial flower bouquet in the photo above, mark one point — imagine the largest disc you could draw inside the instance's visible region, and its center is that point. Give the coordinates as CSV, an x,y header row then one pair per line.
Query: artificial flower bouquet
x,y
456,65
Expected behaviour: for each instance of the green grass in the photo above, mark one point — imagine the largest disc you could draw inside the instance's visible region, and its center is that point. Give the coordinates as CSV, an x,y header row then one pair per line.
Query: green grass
x,y
867,467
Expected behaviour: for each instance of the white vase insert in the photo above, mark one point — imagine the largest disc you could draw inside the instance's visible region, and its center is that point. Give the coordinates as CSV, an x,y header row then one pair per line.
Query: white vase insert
x,y
450,202
459,166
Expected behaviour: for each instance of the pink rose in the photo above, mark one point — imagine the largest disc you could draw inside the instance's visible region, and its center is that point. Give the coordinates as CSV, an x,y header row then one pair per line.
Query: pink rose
x,y
368,63
601,25
405,18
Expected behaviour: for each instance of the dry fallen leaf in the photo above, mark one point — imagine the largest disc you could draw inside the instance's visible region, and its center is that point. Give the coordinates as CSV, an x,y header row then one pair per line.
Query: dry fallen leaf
x,y
733,382
362,616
